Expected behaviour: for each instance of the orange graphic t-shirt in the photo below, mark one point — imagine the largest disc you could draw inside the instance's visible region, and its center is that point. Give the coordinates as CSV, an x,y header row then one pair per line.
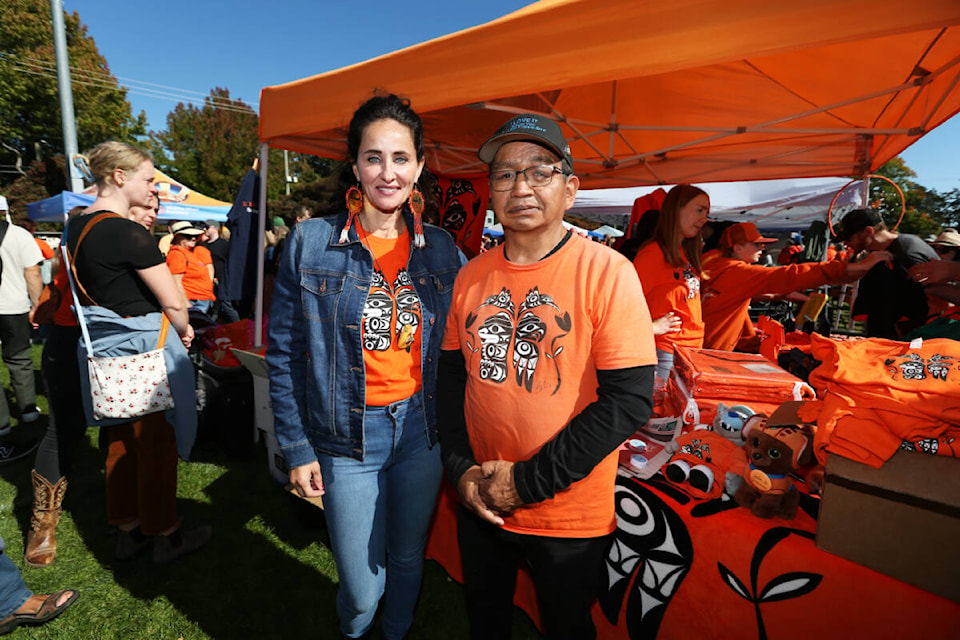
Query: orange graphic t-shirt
x,y
533,337
668,288
391,328
880,395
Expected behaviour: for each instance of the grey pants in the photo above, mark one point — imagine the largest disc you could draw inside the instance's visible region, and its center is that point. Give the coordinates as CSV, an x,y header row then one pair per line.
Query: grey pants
x,y
15,349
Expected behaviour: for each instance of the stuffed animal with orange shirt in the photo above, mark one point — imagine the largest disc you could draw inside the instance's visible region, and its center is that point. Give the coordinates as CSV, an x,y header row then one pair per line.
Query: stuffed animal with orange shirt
x,y
710,461
773,453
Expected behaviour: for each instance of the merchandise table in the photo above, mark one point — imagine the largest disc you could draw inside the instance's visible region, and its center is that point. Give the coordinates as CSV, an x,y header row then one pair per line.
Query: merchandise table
x,y
684,568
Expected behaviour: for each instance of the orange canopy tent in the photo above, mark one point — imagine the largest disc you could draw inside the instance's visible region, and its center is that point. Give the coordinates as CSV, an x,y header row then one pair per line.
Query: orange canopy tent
x,y
662,92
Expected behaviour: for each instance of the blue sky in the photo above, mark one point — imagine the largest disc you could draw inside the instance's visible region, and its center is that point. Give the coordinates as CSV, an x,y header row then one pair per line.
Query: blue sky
x,y
191,47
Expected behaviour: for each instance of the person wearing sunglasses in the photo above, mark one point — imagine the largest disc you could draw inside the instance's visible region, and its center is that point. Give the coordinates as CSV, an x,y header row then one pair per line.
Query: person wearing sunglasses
x,y
947,245
941,278
191,266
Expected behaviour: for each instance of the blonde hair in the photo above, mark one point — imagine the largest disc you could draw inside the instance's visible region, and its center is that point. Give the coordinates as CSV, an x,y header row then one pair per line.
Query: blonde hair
x,y
99,163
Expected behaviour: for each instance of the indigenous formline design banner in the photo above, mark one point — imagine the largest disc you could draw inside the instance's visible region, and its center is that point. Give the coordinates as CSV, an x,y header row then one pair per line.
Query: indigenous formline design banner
x,y
463,208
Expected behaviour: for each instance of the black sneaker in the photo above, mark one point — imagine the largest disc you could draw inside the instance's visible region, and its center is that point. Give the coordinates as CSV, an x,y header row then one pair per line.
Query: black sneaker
x,y
130,543
180,542
30,413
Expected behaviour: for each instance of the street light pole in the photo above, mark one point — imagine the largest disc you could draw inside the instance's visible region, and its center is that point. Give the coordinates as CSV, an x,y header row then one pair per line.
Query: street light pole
x,y
66,94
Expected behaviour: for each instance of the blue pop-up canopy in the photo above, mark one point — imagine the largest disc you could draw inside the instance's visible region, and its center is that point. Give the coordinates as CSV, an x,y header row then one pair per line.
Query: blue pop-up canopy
x,y
55,209
177,202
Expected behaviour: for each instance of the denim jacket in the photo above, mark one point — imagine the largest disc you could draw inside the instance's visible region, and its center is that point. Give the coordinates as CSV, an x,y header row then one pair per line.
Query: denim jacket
x,y
315,350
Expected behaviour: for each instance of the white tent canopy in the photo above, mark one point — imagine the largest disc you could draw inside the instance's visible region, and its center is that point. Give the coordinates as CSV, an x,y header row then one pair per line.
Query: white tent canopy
x,y
771,204
607,230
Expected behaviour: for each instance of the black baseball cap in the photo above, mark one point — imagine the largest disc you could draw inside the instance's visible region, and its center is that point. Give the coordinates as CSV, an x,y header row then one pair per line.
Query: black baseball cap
x,y
856,221
529,127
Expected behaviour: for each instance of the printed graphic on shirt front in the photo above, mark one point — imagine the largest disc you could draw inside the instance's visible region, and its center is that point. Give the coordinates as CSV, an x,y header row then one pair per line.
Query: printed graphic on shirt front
x,y
692,279
945,445
697,448
912,366
518,339
391,312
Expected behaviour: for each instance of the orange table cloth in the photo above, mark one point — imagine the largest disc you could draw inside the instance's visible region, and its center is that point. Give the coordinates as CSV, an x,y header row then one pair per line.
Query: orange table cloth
x,y
682,568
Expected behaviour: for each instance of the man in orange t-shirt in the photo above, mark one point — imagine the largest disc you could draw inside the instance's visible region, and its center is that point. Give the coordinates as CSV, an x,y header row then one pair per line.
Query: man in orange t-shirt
x,y
547,367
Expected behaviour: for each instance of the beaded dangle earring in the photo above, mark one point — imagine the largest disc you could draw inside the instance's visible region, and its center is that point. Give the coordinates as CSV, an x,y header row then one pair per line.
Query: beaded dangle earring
x,y
416,208
354,207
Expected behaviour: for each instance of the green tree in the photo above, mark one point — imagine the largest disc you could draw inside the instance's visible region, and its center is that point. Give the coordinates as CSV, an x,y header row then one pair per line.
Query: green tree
x,y
951,208
30,122
923,209
211,147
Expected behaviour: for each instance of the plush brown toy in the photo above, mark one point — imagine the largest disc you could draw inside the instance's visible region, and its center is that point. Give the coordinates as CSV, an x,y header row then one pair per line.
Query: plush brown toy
x,y
772,453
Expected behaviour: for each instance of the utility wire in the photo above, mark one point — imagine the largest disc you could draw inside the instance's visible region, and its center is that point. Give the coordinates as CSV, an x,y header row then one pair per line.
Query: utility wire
x,y
104,80
104,76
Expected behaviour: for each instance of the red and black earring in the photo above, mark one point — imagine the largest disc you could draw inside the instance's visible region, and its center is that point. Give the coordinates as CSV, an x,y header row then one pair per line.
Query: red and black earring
x,y
417,205
354,207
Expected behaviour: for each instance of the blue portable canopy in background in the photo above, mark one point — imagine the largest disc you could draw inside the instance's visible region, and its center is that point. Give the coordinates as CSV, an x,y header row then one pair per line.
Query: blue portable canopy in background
x,y
177,202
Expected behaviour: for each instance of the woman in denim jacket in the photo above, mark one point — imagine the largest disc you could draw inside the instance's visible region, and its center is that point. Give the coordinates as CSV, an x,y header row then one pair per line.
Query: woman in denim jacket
x,y
358,312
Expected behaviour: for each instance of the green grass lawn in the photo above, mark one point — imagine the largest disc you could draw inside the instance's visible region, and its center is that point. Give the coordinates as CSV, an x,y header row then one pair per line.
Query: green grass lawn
x,y
267,573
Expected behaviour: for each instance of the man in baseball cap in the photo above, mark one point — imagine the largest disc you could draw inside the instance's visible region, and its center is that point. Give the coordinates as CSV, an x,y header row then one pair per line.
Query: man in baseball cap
x,y
855,223
548,310
533,128
893,303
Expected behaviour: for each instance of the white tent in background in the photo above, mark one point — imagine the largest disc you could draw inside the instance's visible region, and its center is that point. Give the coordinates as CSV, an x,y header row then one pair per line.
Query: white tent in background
x,y
771,204
607,230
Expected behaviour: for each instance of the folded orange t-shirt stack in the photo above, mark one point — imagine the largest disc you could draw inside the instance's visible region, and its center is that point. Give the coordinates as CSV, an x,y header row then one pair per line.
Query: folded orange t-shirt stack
x,y
880,395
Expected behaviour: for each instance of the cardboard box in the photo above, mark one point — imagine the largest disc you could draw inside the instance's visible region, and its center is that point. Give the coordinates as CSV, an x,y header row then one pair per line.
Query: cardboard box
x,y
256,364
263,413
276,462
902,519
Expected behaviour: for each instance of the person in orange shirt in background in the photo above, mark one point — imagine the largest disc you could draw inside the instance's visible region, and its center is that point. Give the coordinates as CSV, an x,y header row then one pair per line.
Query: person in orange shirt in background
x,y
793,252
733,278
31,226
191,266
669,269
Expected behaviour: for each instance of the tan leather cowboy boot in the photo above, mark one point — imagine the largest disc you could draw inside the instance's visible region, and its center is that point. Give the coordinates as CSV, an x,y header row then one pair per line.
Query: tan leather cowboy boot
x,y
42,539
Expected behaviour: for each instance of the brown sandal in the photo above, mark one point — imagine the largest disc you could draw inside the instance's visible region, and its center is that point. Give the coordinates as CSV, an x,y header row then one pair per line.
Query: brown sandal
x,y
48,611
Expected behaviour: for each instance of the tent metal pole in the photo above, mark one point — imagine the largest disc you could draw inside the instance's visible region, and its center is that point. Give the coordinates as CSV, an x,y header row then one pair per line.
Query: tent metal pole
x,y
855,287
261,232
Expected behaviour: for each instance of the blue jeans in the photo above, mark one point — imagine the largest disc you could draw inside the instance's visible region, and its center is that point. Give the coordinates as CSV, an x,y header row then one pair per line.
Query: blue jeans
x,y
378,516
13,592
203,306
662,373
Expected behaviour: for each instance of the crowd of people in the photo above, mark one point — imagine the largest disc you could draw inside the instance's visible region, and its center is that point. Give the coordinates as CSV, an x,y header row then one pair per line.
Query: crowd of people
x,y
393,360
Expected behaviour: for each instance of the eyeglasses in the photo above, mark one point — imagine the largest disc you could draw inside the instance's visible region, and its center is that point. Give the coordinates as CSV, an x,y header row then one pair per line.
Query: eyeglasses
x,y
940,249
538,176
